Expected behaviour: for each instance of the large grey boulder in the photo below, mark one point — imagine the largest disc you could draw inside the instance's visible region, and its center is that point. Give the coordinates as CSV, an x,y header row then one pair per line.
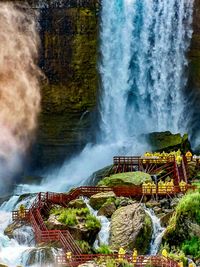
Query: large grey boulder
x,y
131,228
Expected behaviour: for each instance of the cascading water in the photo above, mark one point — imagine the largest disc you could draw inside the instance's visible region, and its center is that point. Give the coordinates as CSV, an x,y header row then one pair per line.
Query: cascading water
x,y
158,232
103,236
143,47
142,67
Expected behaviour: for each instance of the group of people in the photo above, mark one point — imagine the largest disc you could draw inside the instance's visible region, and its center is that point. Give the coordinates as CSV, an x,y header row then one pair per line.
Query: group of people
x,y
162,187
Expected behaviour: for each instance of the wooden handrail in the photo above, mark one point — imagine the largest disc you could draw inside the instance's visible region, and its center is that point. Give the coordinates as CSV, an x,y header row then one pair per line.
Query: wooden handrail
x,y
140,261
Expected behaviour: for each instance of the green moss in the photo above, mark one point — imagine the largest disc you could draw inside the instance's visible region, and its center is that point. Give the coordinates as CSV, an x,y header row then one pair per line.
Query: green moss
x,y
166,141
84,246
92,222
130,178
144,238
192,247
104,249
72,217
185,222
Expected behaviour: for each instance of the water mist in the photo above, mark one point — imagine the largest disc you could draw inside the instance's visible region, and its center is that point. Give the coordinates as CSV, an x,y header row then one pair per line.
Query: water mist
x,y
19,86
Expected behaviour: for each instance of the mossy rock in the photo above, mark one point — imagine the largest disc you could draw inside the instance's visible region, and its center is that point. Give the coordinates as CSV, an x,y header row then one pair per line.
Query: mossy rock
x,y
107,209
166,141
126,179
97,200
46,254
77,204
185,224
99,175
131,228
143,239
3,265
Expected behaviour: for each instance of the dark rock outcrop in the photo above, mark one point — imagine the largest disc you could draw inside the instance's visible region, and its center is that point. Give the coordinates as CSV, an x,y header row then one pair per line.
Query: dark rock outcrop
x,y
166,141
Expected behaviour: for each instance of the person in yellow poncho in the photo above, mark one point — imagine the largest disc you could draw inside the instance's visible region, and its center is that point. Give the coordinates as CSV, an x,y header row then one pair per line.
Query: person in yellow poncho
x,y
183,186
68,255
164,253
170,186
153,188
188,156
144,188
135,254
121,254
22,211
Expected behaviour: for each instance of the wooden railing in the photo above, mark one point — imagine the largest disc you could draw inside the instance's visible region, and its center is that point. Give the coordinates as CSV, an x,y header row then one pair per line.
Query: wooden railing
x,y
42,234
139,261
126,160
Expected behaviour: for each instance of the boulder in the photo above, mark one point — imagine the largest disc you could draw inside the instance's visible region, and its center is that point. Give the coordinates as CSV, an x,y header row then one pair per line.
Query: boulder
x,y
164,218
124,201
126,179
131,228
184,225
98,175
3,265
107,209
77,204
46,254
79,231
157,210
152,203
97,200
166,141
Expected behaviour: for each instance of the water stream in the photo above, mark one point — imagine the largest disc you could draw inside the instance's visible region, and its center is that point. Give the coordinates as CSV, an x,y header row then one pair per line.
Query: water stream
x,y
103,235
158,232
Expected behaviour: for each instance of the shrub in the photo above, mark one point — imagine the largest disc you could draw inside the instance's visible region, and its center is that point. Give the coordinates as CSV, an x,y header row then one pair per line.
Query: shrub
x,y
192,247
104,249
68,217
92,222
178,256
85,247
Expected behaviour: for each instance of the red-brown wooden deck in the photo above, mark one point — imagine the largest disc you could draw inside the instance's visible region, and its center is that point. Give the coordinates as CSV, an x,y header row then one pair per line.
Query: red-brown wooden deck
x,y
44,202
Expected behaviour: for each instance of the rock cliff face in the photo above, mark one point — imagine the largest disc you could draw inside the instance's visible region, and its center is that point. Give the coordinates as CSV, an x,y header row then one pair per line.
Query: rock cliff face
x,y
193,90
69,37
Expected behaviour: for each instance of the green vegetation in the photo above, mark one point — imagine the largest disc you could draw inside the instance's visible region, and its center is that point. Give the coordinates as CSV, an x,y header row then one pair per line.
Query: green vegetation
x,y
184,227
129,178
72,217
192,247
92,222
104,249
84,246
166,141
178,256
109,262
144,238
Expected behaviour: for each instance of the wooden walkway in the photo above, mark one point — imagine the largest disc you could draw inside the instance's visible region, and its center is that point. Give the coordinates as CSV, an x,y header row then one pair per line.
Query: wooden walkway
x,y
45,201
140,261
153,166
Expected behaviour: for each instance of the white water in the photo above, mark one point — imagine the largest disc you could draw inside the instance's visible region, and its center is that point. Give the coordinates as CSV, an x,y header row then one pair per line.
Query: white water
x,y
143,47
103,235
158,232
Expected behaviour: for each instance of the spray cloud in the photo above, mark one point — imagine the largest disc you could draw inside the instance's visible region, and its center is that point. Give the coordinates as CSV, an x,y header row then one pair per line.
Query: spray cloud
x,y
19,85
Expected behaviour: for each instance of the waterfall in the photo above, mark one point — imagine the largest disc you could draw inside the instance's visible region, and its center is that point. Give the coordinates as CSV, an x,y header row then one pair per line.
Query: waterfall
x,y
143,48
103,235
158,232
19,86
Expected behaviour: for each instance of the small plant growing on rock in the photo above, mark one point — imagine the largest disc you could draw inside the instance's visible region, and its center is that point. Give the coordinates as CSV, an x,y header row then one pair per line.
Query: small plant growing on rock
x,y
92,222
104,249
